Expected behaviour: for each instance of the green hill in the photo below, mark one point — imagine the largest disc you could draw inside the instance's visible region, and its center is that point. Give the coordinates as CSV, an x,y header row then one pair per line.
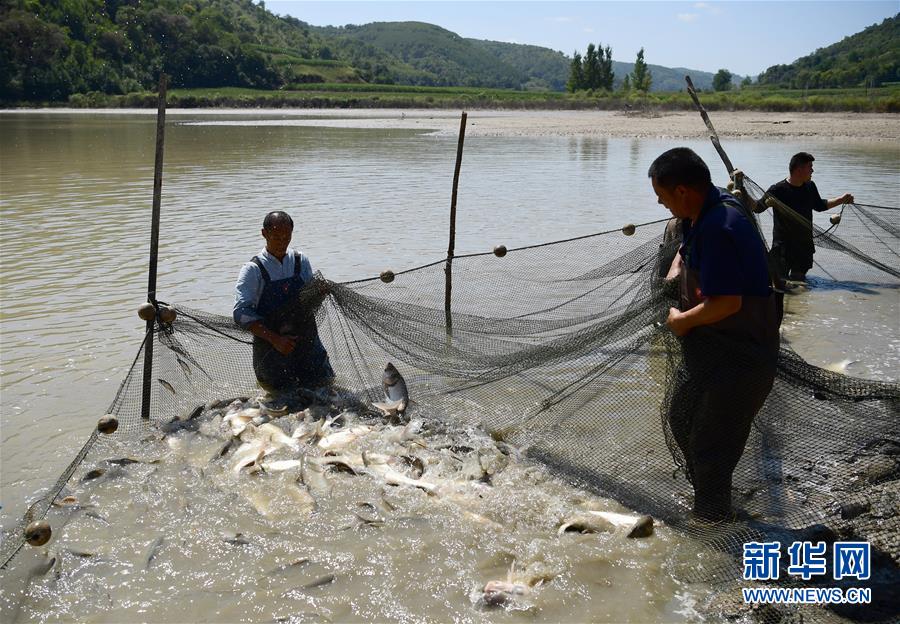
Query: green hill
x,y
436,56
870,57
50,49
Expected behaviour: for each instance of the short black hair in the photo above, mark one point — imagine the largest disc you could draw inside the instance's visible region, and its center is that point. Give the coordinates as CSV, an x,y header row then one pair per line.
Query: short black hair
x,y
798,159
276,217
680,165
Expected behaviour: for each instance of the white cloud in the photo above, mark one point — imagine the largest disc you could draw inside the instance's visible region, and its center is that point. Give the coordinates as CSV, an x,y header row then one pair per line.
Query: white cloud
x,y
710,8
588,30
687,17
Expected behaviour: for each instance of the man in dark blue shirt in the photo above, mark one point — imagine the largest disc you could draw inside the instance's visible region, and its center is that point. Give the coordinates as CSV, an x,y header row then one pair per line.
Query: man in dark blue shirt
x,y
727,324
792,241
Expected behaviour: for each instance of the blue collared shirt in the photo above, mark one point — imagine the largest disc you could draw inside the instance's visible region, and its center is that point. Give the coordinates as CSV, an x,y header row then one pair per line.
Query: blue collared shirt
x,y
250,284
725,249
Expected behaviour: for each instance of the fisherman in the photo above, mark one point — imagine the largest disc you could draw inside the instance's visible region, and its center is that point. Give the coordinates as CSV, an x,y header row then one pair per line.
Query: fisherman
x,y
792,241
287,350
727,325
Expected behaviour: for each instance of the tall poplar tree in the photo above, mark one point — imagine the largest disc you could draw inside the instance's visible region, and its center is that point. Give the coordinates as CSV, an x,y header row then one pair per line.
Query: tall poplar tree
x,y
641,78
576,74
592,67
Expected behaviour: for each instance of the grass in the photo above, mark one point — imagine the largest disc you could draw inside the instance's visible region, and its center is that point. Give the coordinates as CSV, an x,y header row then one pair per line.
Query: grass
x,y
361,95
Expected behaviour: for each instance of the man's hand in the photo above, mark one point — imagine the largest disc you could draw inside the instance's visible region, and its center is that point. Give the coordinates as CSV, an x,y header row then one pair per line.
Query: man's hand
x,y
846,198
676,322
284,344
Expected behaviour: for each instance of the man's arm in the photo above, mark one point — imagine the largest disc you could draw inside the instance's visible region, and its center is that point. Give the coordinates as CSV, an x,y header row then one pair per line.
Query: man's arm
x,y
846,198
246,297
283,344
710,310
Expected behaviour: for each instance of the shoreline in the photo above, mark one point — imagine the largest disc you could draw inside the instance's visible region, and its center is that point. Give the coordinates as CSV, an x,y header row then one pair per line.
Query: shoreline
x,y
865,127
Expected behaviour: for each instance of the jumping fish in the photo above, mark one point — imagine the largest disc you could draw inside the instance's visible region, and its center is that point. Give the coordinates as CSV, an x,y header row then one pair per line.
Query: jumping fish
x,y
313,476
342,438
152,551
378,466
605,521
396,394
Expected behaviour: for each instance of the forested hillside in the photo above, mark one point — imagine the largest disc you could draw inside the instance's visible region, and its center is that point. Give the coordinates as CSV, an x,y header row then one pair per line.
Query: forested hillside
x,y
440,57
51,49
868,58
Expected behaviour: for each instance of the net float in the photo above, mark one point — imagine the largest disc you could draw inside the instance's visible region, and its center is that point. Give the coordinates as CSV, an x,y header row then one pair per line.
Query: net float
x,y
38,533
167,314
146,312
108,424
628,230
387,276
500,251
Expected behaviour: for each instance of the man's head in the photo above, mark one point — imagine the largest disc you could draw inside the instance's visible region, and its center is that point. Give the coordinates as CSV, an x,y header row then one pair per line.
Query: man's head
x,y
801,166
277,230
681,181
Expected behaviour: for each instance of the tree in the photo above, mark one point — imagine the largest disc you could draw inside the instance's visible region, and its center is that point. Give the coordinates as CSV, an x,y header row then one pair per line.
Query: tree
x,y
592,67
641,77
746,82
722,80
576,74
606,71
626,83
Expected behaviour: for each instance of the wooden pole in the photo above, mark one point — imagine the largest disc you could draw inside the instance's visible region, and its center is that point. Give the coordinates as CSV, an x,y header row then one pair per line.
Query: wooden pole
x,y
448,269
713,135
154,243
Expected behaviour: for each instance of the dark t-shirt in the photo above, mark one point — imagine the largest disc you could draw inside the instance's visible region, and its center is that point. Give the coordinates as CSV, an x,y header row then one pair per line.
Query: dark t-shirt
x,y
792,232
725,249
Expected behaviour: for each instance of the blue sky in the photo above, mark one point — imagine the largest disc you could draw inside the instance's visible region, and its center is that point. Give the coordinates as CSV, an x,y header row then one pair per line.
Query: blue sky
x,y
743,37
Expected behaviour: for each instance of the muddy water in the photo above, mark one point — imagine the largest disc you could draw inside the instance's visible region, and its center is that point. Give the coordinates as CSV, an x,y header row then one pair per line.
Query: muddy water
x,y
76,191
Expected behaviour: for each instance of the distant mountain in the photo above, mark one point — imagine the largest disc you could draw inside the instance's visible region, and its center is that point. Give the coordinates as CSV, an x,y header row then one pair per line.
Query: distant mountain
x,y
437,56
871,56
440,57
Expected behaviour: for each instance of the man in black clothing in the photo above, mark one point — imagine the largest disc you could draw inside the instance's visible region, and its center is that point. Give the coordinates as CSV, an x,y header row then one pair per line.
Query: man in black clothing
x,y
792,242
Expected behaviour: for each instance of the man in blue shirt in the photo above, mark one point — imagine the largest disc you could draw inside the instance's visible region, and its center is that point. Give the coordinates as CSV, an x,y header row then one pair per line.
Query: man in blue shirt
x,y
727,324
286,346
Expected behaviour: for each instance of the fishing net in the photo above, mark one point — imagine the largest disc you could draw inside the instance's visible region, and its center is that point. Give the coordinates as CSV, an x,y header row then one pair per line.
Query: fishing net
x,y
562,349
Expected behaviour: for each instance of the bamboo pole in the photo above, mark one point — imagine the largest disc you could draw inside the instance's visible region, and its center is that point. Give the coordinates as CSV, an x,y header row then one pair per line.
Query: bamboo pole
x,y
713,135
154,244
448,269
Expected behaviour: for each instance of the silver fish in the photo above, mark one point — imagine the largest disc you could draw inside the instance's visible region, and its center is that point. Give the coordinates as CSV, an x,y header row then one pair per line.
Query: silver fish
x,y
396,394
165,384
152,551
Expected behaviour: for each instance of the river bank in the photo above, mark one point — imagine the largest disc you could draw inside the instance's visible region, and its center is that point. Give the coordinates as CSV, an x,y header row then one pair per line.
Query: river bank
x,y
863,127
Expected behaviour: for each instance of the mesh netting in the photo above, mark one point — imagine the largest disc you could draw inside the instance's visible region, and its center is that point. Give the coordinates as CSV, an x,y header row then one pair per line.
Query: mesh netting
x,y
562,349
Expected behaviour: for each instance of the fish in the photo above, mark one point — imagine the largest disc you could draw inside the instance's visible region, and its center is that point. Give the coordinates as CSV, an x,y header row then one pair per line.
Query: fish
x,y
606,521
312,475
840,367
275,436
238,420
342,438
248,454
124,461
378,465
285,567
496,593
302,497
152,551
165,384
237,539
396,394
319,582
281,465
